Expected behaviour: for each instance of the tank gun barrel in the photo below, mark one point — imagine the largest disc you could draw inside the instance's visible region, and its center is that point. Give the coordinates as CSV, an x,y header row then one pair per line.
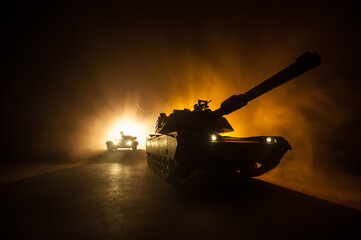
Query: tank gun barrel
x,y
303,63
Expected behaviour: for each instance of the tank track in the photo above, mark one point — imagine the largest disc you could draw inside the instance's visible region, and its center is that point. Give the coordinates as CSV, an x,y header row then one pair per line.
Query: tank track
x,y
163,166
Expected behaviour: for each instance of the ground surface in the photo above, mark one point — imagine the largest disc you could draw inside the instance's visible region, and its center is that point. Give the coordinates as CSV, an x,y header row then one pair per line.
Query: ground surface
x,y
116,196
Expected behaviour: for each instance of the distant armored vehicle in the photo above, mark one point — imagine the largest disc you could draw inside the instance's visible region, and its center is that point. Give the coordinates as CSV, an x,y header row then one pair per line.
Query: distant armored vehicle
x,y
123,142
189,140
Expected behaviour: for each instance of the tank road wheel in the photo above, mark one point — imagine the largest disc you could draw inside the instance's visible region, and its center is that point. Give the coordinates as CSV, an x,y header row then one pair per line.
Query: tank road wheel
x,y
163,166
166,166
134,147
170,170
149,159
109,148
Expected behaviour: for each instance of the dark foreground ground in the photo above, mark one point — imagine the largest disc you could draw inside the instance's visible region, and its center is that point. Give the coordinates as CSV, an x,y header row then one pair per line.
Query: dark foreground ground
x,y
116,196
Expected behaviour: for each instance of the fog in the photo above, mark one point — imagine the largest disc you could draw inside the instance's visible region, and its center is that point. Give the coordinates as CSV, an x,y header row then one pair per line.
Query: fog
x,y
73,71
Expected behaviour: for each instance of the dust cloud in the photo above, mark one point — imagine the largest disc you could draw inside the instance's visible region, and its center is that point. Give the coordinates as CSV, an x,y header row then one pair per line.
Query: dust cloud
x,y
73,71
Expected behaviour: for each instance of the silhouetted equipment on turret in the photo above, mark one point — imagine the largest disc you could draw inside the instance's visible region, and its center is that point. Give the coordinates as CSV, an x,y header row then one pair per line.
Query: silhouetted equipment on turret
x,y
189,140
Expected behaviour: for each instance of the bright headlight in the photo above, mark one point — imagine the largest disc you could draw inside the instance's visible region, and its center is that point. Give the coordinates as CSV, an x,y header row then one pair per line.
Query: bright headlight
x,y
270,140
129,143
214,137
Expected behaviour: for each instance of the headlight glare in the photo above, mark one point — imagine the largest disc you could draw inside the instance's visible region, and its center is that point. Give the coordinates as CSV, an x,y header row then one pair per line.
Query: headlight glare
x,y
215,138
270,140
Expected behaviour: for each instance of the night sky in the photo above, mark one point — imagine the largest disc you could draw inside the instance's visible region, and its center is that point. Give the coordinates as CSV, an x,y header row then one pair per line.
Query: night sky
x,y
72,69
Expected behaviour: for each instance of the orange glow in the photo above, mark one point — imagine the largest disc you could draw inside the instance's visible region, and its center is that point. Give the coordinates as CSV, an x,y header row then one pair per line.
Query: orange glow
x,y
127,121
125,115
298,111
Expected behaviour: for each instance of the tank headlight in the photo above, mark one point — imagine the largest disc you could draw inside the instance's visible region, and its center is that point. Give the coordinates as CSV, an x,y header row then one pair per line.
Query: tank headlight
x,y
270,140
215,137
129,143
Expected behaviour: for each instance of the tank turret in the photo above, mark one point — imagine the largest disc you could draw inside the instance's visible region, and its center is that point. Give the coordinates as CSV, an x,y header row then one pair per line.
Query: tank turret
x,y
189,140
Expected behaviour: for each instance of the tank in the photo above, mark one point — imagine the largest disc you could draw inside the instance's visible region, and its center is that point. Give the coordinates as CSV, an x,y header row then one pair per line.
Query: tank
x,y
189,140
122,142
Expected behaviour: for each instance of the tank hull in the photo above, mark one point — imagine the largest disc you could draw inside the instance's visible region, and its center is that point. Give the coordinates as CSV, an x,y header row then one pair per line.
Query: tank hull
x,y
177,154
130,144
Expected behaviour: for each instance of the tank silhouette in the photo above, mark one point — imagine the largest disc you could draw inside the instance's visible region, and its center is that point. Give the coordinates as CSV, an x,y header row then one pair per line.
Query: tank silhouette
x,y
123,142
189,140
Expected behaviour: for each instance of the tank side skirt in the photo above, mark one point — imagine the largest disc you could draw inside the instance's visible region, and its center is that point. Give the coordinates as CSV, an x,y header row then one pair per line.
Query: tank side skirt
x,y
161,156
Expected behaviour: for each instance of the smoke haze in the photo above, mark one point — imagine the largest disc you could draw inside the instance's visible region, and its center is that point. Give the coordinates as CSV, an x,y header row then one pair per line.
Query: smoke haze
x,y
72,70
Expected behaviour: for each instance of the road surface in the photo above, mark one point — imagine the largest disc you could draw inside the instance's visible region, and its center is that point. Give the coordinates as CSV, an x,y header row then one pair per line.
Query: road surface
x,y
116,196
